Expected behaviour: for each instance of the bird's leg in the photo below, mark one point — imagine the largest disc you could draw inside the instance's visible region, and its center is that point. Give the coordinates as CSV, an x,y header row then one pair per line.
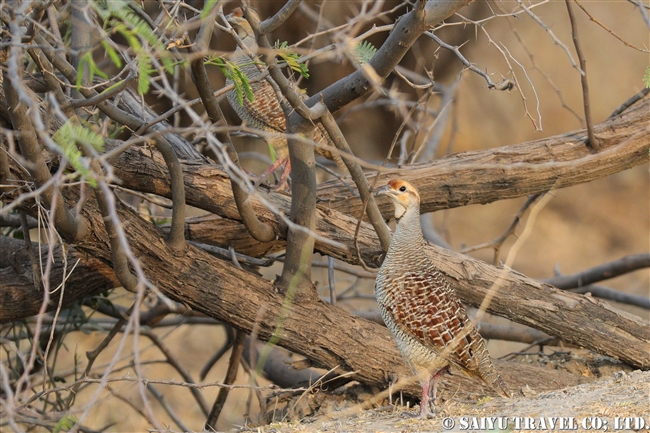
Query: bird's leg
x,y
429,391
285,173
433,390
425,402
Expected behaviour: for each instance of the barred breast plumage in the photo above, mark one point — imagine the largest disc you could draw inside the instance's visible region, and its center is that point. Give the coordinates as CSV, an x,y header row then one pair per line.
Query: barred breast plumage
x,y
424,314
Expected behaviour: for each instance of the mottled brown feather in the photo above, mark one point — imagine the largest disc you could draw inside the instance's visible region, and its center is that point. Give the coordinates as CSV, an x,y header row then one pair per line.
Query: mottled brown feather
x,y
428,321
265,111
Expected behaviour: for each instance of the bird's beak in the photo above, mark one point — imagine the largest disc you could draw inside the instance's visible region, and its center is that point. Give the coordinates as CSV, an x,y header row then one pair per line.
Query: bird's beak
x,y
383,190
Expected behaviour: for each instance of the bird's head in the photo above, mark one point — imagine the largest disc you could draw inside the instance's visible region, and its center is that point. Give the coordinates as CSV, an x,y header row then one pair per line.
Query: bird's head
x,y
403,195
238,22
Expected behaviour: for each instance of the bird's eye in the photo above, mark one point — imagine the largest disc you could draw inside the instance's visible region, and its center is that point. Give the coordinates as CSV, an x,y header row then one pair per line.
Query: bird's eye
x,y
402,188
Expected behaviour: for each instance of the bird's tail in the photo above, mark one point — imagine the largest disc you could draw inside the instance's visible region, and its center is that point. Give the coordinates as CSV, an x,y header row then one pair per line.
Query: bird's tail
x,y
491,376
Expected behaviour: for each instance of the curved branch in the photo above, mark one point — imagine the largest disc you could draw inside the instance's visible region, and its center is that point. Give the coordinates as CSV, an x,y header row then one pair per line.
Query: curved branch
x,y
73,228
70,73
270,24
359,178
119,258
257,229
176,237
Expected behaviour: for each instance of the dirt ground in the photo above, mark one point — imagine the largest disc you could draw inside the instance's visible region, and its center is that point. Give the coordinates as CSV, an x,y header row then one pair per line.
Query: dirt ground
x,y
618,400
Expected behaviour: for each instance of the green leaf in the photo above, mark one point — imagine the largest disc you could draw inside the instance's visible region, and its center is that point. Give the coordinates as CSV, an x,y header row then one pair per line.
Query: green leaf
x,y
68,137
364,51
144,72
119,18
239,79
207,8
87,62
646,78
65,424
117,61
291,59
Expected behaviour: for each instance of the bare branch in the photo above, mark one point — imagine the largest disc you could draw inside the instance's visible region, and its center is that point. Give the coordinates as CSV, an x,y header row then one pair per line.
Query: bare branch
x,y
406,31
548,30
555,161
74,228
176,237
615,295
36,272
601,272
258,230
631,101
497,243
610,31
119,256
593,142
504,85
296,272
171,359
231,375
271,24
359,179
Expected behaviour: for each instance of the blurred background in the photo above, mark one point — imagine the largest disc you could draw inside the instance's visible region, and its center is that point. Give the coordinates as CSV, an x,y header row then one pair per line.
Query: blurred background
x,y
581,227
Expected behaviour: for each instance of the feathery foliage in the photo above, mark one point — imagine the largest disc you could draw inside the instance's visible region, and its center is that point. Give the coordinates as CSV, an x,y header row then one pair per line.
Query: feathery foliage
x,y
234,73
68,137
119,18
290,58
646,78
364,51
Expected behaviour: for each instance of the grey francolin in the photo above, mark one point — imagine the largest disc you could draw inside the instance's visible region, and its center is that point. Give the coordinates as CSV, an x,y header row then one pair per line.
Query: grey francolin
x,y
265,112
423,313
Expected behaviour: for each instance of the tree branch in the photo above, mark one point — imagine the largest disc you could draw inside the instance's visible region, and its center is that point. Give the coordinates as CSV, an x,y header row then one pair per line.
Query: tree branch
x,y
601,272
271,24
407,30
73,228
489,175
176,236
189,279
593,141
359,179
614,295
231,375
296,272
257,229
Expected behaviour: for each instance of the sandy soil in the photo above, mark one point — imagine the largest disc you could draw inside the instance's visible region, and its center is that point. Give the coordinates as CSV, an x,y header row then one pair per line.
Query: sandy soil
x,y
617,401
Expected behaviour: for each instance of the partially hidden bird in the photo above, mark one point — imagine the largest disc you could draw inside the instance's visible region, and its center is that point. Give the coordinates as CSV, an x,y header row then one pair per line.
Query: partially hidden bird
x,y
425,316
265,112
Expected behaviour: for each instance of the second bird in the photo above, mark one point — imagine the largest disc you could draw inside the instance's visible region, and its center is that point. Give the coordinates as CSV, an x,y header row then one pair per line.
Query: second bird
x,y
265,112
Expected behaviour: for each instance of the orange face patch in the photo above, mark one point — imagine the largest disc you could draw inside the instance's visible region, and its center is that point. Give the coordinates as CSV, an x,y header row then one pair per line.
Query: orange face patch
x,y
396,184
409,193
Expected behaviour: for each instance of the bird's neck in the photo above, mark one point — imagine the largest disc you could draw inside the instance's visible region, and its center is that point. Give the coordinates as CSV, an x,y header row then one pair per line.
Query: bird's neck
x,y
248,38
241,58
408,234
